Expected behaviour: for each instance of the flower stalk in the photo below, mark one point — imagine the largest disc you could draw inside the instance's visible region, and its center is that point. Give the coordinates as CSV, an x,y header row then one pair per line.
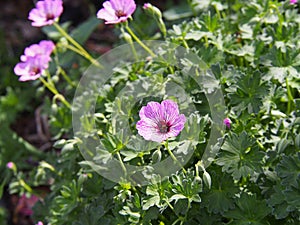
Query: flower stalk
x,y
174,157
138,40
57,95
78,48
128,39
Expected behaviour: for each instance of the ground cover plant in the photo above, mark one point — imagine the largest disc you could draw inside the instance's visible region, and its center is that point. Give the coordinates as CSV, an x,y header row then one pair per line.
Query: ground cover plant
x,y
191,118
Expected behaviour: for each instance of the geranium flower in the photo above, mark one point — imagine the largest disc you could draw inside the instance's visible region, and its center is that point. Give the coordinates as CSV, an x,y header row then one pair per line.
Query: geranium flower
x,y
116,11
25,205
10,165
159,122
293,2
227,122
46,12
35,60
31,69
44,48
146,5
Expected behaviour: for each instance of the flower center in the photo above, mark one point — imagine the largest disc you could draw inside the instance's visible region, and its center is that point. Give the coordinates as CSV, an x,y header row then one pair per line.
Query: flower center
x,y
163,127
120,13
49,16
35,70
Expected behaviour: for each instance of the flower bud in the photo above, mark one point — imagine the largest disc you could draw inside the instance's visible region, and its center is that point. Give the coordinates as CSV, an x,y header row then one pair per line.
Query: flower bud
x,y
156,156
127,37
207,179
156,14
54,108
227,122
10,165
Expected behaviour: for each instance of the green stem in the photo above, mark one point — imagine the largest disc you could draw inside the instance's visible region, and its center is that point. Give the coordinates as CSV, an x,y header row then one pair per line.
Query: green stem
x,y
49,86
61,71
48,75
26,186
121,163
185,44
80,49
197,170
76,50
55,92
62,99
65,76
290,97
128,39
206,41
176,221
174,157
139,41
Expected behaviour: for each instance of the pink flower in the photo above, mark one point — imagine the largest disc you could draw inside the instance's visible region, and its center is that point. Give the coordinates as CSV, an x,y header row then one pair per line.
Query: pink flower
x,y
159,122
10,165
227,122
293,2
116,11
46,12
40,223
25,204
146,5
44,48
35,60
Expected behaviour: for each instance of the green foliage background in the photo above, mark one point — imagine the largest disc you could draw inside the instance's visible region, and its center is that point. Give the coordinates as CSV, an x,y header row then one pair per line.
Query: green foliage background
x,y
252,48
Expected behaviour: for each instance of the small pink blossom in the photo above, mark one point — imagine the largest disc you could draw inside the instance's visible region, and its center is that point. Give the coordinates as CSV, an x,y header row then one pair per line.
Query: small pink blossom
x,y
46,12
44,48
159,122
25,204
146,5
35,60
227,122
40,223
293,2
116,11
10,165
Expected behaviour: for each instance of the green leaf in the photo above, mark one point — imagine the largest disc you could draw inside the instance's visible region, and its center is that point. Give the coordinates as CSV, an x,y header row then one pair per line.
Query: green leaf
x,y
154,200
186,186
178,12
219,198
248,92
240,156
176,197
292,196
197,35
289,170
278,203
83,32
249,210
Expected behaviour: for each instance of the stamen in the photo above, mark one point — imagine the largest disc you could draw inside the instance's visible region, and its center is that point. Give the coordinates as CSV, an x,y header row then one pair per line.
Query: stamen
x,y
120,13
35,71
50,16
163,127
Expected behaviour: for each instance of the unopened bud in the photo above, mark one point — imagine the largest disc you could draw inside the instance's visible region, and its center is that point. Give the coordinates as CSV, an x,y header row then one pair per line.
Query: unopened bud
x,y
227,122
127,37
12,166
157,15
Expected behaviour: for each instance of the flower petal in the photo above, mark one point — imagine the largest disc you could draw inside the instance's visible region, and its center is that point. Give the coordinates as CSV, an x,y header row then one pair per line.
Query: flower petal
x,y
107,13
152,111
155,118
129,7
40,15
